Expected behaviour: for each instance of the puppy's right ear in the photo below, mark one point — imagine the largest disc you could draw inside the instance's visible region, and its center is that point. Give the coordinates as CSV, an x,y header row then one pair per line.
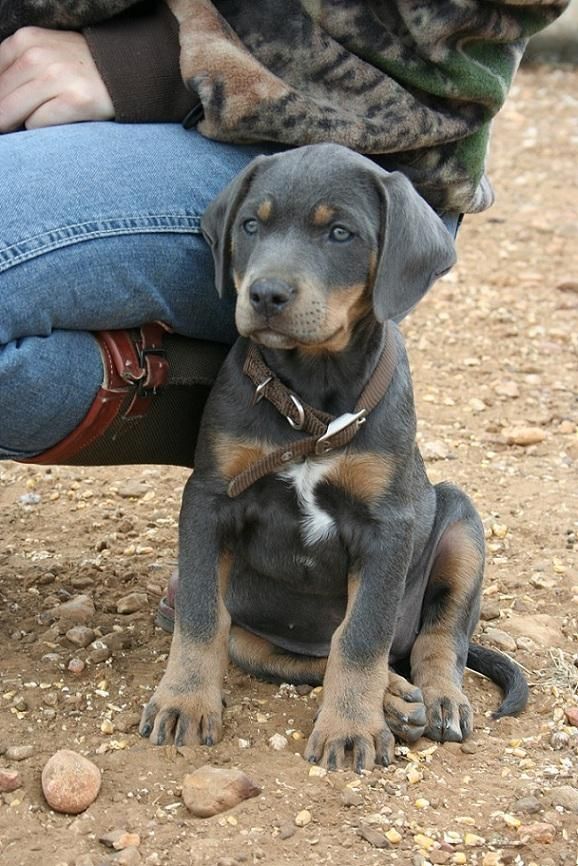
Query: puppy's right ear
x,y
218,219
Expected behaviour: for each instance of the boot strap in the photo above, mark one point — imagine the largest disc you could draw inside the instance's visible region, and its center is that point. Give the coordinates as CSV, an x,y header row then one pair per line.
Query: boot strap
x,y
135,369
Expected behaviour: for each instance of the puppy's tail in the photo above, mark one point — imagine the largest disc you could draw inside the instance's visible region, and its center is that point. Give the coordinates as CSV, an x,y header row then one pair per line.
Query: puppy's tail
x,y
505,673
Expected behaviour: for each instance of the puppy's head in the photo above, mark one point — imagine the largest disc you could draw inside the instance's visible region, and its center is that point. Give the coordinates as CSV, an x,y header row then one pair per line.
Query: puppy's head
x,y
318,238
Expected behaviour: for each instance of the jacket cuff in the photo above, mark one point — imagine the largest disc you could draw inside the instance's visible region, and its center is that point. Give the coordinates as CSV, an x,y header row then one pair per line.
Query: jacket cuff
x,y
137,56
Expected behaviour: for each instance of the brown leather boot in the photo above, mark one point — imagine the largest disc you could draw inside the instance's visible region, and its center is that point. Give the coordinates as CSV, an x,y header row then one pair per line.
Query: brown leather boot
x,y
149,407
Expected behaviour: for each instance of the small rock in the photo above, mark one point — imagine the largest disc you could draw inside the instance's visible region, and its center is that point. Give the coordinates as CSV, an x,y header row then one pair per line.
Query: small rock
x,y
437,857
469,748
542,628
374,837
210,790
477,405
287,830
30,499
132,602
132,489
120,839
559,740
538,832
507,388
523,435
80,635
127,723
349,797
436,449
303,689
99,652
70,782
490,610
571,714
393,836
278,742
568,286
303,818
76,666
565,796
9,780
500,639
117,640
78,611
18,753
472,840
529,805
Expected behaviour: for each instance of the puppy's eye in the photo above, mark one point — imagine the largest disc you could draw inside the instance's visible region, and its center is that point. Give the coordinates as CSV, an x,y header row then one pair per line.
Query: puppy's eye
x,y
340,234
251,226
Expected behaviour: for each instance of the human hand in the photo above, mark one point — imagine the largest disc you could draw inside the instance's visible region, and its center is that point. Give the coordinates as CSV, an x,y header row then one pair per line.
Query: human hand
x,y
48,77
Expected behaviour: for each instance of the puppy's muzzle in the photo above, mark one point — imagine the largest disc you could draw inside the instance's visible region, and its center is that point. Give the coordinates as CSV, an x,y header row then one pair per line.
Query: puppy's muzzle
x,y
270,297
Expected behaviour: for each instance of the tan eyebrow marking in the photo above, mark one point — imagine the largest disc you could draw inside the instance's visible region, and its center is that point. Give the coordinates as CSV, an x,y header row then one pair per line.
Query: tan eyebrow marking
x,y
264,209
323,214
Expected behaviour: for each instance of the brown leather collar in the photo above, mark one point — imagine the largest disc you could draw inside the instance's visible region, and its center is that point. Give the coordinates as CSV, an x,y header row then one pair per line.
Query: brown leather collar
x,y
326,432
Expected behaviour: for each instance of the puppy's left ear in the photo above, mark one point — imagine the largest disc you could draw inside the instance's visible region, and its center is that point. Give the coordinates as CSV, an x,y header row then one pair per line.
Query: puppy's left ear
x,y
415,248
218,219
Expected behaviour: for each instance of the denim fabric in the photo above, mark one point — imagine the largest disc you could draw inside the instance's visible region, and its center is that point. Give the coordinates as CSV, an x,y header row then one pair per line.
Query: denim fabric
x,y
99,228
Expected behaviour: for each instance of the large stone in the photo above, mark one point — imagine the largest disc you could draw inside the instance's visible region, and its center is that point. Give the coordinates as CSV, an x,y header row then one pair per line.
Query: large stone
x,y
542,628
70,782
132,602
78,611
80,635
500,639
523,435
210,790
565,796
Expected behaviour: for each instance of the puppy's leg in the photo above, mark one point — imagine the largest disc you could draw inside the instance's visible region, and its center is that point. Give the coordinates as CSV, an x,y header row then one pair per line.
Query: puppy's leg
x,y
356,679
449,616
263,659
187,705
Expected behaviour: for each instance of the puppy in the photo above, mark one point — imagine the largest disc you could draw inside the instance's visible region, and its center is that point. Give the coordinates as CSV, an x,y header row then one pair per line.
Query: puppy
x,y
313,548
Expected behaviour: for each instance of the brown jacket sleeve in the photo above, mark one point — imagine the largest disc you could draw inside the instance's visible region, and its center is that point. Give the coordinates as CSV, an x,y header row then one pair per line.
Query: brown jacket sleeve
x,y
137,55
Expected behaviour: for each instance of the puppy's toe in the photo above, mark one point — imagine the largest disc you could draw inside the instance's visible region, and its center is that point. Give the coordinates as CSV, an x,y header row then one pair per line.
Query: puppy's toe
x,y
449,715
405,718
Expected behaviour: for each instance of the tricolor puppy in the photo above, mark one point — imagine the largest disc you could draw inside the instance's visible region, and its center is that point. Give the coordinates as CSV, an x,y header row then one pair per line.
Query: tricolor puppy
x,y
313,548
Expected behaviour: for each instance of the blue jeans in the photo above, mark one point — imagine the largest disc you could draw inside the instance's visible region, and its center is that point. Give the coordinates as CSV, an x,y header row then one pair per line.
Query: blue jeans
x,y
99,229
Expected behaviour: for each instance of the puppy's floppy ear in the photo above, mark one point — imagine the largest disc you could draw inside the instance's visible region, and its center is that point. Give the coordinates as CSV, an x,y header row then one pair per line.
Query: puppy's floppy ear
x,y
218,219
415,248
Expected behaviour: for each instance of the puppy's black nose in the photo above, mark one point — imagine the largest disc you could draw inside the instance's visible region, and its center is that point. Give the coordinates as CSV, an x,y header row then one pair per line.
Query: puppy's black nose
x,y
270,296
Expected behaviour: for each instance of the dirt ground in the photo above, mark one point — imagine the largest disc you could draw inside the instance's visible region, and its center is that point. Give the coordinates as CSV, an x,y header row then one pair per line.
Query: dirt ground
x,y
493,348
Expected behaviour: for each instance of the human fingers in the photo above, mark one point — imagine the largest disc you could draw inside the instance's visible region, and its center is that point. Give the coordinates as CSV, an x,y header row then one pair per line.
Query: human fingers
x,y
60,66
17,106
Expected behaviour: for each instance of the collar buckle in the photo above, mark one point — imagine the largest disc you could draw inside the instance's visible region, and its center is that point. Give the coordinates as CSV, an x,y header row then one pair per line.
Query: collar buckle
x,y
297,425
338,425
258,396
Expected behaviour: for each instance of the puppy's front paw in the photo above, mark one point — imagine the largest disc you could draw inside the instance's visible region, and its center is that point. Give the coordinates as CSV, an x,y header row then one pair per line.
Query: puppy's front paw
x,y
370,743
187,717
404,709
449,714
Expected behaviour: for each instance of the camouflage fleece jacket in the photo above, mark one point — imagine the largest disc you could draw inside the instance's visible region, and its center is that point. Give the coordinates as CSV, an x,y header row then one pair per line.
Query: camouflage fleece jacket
x,y
418,82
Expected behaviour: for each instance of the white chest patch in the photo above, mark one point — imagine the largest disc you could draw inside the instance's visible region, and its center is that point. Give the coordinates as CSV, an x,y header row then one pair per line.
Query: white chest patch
x,y
317,524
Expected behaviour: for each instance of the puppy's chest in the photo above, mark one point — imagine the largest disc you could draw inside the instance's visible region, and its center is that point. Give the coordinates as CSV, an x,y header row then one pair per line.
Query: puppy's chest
x,y
316,523
309,503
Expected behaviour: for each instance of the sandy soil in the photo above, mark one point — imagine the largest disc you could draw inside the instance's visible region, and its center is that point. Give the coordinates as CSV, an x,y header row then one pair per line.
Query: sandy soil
x,y
493,348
